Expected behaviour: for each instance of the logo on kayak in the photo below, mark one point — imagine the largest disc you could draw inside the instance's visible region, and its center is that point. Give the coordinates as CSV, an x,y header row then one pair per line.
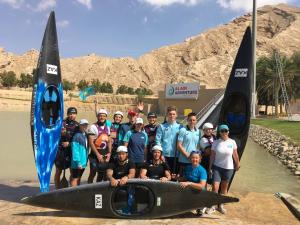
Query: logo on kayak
x,y
51,69
242,72
98,201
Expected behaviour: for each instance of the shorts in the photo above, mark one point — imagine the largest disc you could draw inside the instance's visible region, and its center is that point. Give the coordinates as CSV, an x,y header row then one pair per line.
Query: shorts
x,y
96,165
182,167
77,173
173,164
221,174
63,158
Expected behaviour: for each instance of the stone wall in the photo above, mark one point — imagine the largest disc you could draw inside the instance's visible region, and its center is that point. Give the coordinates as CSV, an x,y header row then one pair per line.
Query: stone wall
x,y
280,146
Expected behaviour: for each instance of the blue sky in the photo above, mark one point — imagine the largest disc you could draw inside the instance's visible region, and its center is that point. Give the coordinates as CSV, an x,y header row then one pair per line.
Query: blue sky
x,y
114,28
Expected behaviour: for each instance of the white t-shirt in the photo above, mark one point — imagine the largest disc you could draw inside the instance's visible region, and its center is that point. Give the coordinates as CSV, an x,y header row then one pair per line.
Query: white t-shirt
x,y
224,151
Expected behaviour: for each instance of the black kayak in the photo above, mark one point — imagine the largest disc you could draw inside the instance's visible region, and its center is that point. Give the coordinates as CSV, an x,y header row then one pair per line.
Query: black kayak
x,y
47,105
236,106
137,199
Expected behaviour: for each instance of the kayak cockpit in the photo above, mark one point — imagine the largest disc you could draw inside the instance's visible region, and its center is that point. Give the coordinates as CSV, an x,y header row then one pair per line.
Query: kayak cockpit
x,y
132,200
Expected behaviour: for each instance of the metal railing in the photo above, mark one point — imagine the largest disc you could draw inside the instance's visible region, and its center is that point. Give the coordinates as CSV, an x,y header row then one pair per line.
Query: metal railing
x,y
209,106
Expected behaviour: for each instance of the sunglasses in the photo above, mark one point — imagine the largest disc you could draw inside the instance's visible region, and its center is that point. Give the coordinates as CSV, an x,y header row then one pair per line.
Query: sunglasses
x,y
223,131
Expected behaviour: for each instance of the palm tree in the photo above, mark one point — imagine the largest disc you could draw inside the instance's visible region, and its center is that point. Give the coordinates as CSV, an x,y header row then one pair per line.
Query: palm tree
x,y
268,84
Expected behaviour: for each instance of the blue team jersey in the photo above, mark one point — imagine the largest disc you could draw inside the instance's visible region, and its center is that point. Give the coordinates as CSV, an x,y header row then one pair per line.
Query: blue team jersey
x,y
195,174
190,140
137,142
166,136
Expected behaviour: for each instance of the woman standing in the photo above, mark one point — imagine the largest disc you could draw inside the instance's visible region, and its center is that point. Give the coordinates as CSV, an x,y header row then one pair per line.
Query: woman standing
x,y
136,140
79,146
224,160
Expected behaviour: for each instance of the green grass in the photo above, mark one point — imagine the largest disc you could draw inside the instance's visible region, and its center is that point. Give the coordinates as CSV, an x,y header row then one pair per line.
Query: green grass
x,y
288,128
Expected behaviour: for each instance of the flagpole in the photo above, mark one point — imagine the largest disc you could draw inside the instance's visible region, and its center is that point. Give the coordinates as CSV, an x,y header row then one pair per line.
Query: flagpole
x,y
254,28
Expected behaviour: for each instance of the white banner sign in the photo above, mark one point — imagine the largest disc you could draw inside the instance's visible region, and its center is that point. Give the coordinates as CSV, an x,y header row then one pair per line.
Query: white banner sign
x,y
182,91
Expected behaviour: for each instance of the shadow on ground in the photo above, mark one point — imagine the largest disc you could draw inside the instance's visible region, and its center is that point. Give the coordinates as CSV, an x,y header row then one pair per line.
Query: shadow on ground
x,y
54,213
14,194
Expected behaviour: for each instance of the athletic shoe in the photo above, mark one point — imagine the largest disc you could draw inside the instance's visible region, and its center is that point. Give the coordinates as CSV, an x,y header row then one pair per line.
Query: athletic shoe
x,y
201,211
210,210
221,209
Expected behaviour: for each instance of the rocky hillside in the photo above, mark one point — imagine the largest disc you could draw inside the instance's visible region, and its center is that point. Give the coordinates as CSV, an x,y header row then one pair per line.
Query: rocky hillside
x,y
205,57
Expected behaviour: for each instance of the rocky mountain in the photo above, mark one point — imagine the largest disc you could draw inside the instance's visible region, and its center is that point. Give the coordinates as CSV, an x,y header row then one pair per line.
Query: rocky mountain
x,y
204,58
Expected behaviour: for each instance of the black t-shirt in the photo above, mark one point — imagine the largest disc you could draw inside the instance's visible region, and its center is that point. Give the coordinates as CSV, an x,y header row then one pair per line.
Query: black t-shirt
x,y
121,170
156,171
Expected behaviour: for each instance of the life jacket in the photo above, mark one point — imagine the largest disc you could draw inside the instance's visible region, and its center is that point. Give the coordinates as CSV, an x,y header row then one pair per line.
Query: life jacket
x,y
103,137
71,127
210,139
151,129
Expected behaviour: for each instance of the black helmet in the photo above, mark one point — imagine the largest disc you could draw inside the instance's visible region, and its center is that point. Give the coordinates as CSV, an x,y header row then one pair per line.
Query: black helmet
x,y
152,114
72,110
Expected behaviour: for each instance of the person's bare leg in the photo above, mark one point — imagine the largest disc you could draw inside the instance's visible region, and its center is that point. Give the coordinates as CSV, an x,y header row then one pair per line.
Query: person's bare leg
x,y
57,177
74,182
224,187
215,187
91,176
223,191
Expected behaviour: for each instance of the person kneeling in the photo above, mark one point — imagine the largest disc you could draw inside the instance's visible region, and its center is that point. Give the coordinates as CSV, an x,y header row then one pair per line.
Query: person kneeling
x,y
195,176
79,149
122,169
156,168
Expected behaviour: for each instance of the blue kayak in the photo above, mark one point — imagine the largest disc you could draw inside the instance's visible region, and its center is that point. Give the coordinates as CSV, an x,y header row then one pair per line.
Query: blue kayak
x,y
47,105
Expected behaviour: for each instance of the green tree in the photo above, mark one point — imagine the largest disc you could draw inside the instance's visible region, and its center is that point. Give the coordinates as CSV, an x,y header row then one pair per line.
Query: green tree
x,y
130,91
25,81
8,79
68,85
97,85
82,84
106,87
122,89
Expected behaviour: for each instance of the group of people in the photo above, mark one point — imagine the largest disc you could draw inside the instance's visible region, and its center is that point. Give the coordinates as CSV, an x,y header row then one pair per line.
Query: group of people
x,y
169,151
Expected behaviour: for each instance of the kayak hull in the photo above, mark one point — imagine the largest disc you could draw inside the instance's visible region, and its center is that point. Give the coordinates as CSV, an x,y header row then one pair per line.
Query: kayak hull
x,y
236,106
47,105
151,199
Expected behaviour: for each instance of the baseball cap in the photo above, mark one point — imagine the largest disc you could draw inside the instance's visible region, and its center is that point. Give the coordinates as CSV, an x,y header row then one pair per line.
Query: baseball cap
x,y
72,110
157,148
102,111
118,113
122,149
132,113
83,121
223,127
139,121
152,114
207,126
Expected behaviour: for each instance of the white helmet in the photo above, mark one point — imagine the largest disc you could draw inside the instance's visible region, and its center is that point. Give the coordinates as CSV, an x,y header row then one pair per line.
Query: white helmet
x,y
208,126
122,149
157,148
102,111
119,113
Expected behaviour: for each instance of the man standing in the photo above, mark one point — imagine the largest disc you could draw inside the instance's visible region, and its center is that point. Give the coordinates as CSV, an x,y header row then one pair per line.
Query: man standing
x,y
151,129
125,127
166,136
100,143
188,141
63,156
